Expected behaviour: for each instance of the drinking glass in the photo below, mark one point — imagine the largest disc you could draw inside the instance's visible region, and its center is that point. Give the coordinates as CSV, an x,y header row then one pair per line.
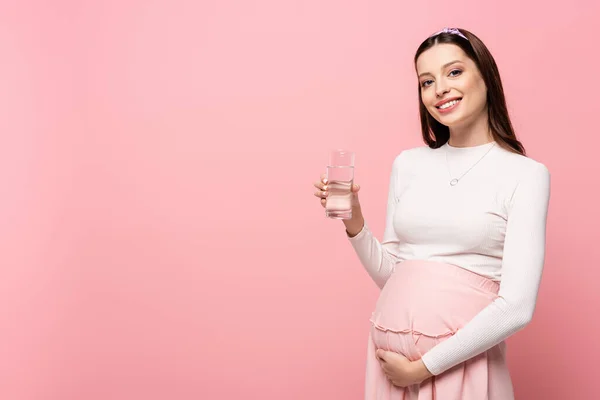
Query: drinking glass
x,y
340,176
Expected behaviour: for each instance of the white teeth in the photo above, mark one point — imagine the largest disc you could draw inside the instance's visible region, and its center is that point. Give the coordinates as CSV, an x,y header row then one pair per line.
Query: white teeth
x,y
448,104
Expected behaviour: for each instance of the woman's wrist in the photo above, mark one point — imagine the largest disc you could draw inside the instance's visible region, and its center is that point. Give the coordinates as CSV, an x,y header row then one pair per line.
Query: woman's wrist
x,y
420,370
355,224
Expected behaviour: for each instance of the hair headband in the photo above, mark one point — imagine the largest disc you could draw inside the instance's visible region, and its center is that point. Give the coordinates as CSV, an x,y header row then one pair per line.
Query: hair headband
x,y
453,31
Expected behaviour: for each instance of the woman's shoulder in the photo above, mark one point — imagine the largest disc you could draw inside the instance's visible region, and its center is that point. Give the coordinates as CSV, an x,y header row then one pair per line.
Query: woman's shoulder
x,y
522,166
411,160
413,154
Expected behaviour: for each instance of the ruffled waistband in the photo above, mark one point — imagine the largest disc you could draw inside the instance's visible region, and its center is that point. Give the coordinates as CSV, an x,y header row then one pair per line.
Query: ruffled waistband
x,y
431,298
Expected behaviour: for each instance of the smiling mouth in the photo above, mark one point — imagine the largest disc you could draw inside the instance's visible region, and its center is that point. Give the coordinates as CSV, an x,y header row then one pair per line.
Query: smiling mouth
x,y
448,104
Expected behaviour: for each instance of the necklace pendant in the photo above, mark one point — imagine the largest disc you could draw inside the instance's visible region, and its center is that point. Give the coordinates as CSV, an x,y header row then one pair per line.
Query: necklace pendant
x,y
453,182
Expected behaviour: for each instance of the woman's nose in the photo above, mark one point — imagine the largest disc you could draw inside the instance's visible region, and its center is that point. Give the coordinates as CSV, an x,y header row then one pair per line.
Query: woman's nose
x,y
441,89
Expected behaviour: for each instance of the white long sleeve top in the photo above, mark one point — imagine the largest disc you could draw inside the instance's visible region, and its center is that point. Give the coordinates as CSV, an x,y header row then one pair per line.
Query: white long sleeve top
x,y
493,222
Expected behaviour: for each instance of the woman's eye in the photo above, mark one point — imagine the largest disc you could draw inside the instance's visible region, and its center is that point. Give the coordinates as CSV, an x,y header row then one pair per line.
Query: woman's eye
x,y
453,73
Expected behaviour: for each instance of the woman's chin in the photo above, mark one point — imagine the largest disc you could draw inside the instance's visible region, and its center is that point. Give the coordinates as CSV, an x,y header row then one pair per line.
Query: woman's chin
x,y
451,120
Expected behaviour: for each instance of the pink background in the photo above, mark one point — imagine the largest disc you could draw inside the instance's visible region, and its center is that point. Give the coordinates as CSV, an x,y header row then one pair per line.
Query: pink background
x,y
159,234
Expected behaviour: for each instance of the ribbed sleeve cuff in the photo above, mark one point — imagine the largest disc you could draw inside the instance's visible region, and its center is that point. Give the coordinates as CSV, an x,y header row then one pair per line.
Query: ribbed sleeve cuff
x,y
431,364
361,235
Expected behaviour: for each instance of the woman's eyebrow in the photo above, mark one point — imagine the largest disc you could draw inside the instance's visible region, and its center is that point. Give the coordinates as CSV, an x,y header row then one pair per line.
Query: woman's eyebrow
x,y
443,66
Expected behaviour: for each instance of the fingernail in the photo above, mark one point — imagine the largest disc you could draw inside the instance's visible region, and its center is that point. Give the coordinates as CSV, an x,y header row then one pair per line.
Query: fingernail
x,y
324,180
325,187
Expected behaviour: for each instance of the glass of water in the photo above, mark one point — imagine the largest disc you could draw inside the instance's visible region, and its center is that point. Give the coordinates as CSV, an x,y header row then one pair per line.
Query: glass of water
x,y
340,176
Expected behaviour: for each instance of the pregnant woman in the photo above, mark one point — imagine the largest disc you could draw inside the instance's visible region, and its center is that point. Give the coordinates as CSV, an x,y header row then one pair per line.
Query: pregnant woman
x,y
462,254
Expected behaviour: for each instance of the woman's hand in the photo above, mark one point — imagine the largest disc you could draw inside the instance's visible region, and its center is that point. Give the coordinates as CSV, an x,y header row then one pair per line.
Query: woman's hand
x,y
356,223
323,192
400,370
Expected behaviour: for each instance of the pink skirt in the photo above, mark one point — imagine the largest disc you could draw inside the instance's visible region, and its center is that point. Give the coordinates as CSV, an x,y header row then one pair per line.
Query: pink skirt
x,y
422,304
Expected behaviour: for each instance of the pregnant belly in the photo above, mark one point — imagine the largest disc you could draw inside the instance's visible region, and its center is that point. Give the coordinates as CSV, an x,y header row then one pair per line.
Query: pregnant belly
x,y
426,302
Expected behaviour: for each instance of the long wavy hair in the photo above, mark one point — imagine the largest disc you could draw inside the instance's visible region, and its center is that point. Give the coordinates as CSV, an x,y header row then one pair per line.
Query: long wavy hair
x,y
436,134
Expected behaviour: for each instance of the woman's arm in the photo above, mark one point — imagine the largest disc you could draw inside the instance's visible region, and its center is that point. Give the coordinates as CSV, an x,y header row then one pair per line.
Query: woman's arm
x,y
522,264
378,258
355,224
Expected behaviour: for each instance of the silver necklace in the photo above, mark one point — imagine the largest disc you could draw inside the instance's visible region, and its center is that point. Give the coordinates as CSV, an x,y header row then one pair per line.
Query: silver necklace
x,y
454,181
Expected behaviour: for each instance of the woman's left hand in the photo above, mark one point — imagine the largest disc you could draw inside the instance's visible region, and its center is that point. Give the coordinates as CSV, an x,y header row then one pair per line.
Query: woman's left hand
x,y
400,370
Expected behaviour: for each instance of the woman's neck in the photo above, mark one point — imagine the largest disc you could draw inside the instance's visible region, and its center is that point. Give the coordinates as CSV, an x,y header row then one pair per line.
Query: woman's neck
x,y
474,134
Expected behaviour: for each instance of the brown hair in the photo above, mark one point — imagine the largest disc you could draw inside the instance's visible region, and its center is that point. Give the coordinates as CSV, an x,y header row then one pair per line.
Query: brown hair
x,y
436,134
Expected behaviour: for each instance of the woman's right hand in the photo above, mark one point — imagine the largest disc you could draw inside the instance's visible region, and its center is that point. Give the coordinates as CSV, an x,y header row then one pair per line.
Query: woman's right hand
x,y
323,192
356,223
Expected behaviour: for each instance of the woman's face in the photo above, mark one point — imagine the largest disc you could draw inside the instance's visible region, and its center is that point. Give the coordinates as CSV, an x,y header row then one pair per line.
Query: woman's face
x,y
452,88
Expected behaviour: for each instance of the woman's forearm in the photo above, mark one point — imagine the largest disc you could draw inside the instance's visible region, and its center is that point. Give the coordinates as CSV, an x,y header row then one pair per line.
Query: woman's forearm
x,y
355,224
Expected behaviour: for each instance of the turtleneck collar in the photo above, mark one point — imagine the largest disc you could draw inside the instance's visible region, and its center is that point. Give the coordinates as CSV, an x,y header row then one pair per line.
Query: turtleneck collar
x,y
468,150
